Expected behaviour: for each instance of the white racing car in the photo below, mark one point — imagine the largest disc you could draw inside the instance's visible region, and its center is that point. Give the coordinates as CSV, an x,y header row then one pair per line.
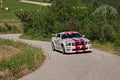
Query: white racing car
x,y
71,42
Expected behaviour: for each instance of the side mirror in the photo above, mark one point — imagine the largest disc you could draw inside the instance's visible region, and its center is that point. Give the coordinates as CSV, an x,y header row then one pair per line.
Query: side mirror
x,y
83,36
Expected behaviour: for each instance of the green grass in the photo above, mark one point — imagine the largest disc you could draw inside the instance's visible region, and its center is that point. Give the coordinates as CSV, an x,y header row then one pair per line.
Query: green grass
x,y
9,16
107,46
10,28
26,61
41,38
14,5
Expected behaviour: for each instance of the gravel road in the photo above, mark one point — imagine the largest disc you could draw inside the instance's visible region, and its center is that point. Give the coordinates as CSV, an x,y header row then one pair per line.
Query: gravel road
x,y
98,65
37,3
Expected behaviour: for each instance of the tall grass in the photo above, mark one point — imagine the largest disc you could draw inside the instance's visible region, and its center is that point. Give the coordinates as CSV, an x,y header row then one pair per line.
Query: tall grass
x,y
41,38
10,28
27,60
107,46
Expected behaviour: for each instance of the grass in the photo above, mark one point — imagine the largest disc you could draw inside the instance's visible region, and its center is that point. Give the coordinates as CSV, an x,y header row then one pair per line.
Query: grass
x,y
10,28
14,5
9,16
107,46
41,38
18,59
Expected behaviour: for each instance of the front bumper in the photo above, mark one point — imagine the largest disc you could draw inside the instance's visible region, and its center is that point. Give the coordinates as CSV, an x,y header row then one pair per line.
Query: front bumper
x,y
77,49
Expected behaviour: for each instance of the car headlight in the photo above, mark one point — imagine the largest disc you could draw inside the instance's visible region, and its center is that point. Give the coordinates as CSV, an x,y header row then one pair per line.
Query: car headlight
x,y
73,44
68,44
88,42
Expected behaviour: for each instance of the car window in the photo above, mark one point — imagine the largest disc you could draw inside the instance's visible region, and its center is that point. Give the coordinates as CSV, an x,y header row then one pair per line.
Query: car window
x,y
58,35
73,35
65,36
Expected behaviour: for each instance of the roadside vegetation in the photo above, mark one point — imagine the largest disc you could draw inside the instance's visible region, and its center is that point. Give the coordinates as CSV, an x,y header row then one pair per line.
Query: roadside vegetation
x,y
10,28
18,59
107,46
8,17
99,22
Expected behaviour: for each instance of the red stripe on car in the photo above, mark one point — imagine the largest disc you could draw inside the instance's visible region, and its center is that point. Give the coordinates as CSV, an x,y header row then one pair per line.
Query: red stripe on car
x,y
71,32
83,46
82,40
76,46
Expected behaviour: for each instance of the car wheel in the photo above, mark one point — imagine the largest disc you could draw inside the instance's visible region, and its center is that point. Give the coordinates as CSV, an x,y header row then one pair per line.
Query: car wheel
x,y
53,47
63,50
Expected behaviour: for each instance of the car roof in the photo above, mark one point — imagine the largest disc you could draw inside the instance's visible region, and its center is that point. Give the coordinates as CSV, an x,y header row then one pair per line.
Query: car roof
x,y
68,32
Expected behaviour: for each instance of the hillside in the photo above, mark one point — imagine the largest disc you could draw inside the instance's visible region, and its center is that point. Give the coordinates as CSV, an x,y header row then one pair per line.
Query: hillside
x,y
114,3
8,19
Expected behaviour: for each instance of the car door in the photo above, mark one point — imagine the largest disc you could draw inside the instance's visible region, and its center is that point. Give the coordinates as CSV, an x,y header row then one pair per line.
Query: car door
x,y
58,41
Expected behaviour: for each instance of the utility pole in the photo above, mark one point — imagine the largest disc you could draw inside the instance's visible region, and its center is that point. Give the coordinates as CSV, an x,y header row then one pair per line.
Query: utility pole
x,y
1,3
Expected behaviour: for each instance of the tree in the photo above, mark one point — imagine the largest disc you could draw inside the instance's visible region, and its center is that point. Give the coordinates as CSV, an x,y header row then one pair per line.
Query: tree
x,y
71,14
105,18
105,14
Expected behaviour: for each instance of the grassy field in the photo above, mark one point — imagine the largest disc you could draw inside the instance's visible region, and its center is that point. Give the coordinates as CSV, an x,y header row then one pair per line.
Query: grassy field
x,y
9,16
13,5
18,59
24,36
109,47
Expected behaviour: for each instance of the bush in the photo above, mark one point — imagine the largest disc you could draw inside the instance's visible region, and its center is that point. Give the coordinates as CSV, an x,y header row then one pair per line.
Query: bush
x,y
28,58
6,28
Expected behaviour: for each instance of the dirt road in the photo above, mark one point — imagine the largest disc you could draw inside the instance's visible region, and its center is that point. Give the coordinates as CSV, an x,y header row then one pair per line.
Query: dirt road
x,y
37,3
98,65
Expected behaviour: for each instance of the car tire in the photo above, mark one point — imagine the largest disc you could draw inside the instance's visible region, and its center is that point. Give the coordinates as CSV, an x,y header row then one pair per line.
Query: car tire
x,y
63,50
53,47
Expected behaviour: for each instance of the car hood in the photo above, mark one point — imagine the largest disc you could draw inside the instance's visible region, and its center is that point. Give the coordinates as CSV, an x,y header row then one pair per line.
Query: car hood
x,y
75,40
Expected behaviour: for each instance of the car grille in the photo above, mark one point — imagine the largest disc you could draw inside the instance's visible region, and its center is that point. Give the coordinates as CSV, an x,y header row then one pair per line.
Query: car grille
x,y
80,43
80,49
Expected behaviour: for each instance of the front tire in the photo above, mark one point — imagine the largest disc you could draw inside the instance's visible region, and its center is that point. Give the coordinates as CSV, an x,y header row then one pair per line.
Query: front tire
x,y
63,50
53,47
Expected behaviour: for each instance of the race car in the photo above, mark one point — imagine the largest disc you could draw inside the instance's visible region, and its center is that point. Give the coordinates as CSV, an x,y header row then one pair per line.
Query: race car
x,y
71,42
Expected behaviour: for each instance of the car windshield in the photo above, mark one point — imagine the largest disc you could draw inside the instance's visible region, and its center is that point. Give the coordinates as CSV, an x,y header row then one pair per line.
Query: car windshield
x,y
73,35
